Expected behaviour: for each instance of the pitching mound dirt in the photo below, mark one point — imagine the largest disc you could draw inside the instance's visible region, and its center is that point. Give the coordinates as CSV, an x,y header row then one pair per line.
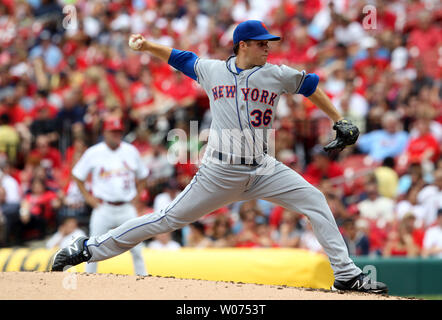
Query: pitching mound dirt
x,y
73,286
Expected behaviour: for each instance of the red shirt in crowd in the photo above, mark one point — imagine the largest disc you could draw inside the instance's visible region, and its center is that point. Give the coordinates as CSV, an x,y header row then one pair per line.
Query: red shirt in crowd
x,y
87,57
314,175
417,147
187,168
91,92
16,113
370,69
386,20
180,88
425,39
142,96
277,57
428,43
397,250
41,205
143,147
275,217
117,90
160,72
52,157
299,52
43,109
377,237
251,242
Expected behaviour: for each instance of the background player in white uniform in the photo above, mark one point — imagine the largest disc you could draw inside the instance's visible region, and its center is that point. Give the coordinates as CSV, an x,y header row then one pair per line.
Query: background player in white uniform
x,y
117,176
243,92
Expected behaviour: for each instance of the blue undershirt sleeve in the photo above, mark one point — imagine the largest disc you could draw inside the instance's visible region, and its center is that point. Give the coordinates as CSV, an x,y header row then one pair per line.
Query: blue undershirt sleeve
x,y
184,61
309,85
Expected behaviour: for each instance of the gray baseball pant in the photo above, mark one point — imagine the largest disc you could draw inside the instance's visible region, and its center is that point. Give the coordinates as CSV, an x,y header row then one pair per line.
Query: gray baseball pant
x,y
216,185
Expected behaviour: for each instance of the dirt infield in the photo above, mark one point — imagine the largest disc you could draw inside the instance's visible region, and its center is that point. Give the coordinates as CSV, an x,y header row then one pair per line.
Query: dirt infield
x,y
74,286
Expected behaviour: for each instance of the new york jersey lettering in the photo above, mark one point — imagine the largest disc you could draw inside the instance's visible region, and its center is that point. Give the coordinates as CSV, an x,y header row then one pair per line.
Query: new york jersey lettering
x,y
253,94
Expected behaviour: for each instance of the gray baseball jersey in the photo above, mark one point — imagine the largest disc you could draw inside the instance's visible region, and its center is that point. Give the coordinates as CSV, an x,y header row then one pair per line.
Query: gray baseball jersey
x,y
243,107
243,103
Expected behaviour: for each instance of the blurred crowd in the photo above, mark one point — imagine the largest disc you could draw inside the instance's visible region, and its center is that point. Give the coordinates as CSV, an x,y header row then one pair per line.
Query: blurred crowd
x,y
65,66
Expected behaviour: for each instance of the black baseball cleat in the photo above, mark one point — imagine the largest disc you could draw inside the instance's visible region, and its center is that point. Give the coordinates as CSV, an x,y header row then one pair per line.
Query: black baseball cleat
x,y
361,283
72,255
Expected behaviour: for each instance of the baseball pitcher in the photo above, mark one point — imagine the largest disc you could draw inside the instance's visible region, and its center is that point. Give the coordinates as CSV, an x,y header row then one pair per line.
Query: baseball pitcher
x,y
244,91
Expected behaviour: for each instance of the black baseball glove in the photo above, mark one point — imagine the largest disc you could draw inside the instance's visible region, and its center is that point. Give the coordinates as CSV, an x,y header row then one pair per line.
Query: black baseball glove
x,y
346,134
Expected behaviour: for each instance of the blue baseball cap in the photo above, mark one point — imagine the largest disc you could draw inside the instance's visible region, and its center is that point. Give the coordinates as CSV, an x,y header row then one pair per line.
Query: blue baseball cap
x,y
252,30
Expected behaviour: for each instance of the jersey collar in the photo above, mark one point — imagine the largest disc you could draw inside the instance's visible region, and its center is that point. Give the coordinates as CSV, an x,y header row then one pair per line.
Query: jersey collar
x,y
231,66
